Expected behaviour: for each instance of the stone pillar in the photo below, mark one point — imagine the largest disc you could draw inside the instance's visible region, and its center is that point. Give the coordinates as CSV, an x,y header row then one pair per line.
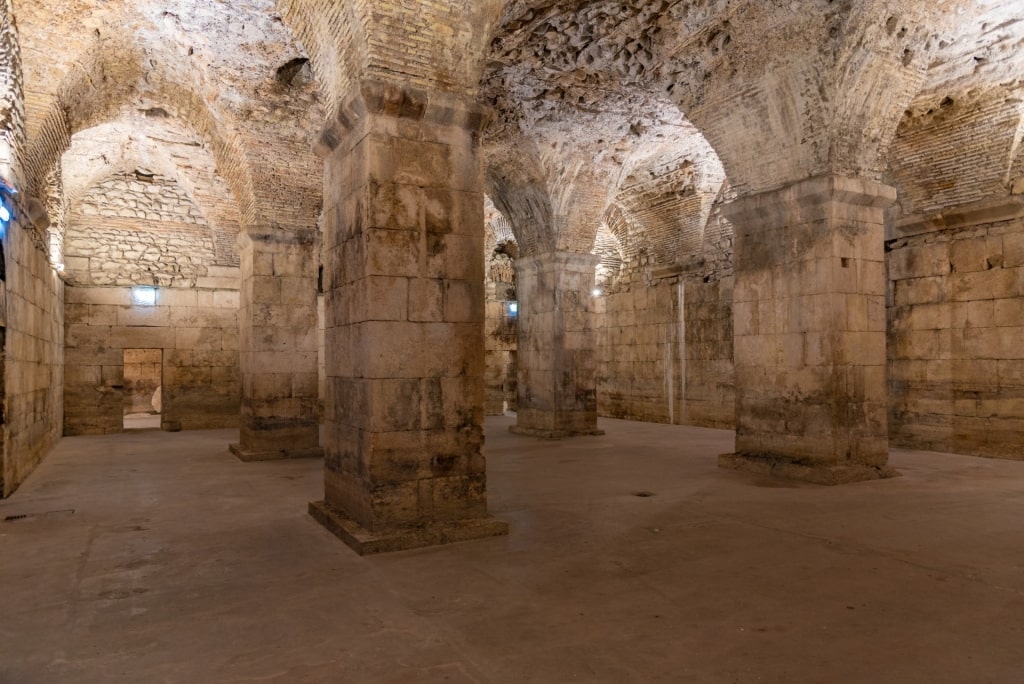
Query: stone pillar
x,y
557,352
809,326
404,291
278,345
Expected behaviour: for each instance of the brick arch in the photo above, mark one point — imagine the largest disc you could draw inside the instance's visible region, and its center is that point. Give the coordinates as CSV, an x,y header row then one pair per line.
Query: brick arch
x,y
98,153
515,183
630,236
829,103
608,249
197,172
431,45
109,81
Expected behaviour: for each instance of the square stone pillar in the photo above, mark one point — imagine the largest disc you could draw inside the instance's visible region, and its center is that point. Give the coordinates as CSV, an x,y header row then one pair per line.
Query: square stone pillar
x,y
809,331
404,306
278,345
557,351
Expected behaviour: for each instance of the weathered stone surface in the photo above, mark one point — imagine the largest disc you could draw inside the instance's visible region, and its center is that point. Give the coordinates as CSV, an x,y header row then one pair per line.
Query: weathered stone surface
x,y
198,365
557,351
404,309
278,354
810,378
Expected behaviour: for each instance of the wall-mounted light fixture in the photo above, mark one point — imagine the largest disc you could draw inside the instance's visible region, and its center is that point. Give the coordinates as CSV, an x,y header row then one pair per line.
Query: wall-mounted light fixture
x,y
513,309
144,295
597,292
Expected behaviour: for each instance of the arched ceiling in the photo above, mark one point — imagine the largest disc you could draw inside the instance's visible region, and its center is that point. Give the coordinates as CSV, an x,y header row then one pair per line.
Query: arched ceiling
x,y
782,90
230,72
161,145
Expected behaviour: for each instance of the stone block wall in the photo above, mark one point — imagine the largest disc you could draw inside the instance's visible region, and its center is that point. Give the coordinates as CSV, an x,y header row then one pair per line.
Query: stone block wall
x,y
500,346
710,390
639,373
197,331
666,353
32,368
956,326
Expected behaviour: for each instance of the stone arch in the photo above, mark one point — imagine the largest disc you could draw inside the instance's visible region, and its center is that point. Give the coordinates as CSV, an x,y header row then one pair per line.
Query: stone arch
x,y
349,41
82,104
126,143
516,185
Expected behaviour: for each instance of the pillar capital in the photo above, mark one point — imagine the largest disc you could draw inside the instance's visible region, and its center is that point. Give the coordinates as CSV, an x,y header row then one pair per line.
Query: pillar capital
x,y
398,101
574,261
811,199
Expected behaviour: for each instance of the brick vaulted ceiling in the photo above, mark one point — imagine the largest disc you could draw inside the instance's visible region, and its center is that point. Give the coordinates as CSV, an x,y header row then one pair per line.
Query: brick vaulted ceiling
x,y
215,95
635,107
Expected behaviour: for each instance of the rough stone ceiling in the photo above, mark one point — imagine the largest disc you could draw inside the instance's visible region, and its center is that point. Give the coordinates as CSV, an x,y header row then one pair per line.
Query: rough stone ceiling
x,y
576,79
619,61
159,144
215,66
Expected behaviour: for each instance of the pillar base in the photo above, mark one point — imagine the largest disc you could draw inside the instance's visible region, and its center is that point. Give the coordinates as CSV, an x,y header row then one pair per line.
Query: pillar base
x,y
248,455
364,542
823,474
553,434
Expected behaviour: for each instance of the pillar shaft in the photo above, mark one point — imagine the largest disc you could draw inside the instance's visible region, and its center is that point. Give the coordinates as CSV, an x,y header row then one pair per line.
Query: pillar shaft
x,y
809,330
404,300
557,352
278,345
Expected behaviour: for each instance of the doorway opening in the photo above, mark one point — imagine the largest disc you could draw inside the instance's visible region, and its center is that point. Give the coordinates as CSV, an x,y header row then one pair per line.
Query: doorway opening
x,y
143,383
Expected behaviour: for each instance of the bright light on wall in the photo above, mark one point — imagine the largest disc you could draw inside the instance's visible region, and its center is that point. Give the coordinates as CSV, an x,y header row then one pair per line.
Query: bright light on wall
x,y
513,309
7,191
597,292
144,296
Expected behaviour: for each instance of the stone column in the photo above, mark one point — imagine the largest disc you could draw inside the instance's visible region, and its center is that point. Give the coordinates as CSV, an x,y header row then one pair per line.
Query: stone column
x,y
404,291
557,352
278,345
809,325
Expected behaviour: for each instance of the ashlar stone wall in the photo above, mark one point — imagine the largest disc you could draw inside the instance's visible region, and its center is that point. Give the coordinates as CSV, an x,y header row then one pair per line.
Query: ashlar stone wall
x,y
666,336
500,336
956,337
32,330
197,331
666,353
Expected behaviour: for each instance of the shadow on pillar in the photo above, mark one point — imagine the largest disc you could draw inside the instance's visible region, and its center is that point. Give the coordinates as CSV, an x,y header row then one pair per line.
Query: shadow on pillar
x,y
404,322
557,348
809,328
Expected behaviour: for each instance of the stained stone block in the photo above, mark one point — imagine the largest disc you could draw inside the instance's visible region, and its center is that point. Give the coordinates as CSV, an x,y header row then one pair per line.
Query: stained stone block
x,y
810,381
278,353
404,313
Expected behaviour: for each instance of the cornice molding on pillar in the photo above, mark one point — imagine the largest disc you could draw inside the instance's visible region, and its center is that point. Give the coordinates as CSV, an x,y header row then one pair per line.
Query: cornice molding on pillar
x,y
560,260
820,197
967,215
391,99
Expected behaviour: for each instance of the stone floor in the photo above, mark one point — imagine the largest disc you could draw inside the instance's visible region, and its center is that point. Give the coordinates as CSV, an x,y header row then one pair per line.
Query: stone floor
x,y
142,421
158,557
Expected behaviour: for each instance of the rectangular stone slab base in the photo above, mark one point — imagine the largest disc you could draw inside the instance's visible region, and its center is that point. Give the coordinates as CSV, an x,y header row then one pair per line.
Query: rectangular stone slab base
x,y
279,455
552,434
824,474
364,542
